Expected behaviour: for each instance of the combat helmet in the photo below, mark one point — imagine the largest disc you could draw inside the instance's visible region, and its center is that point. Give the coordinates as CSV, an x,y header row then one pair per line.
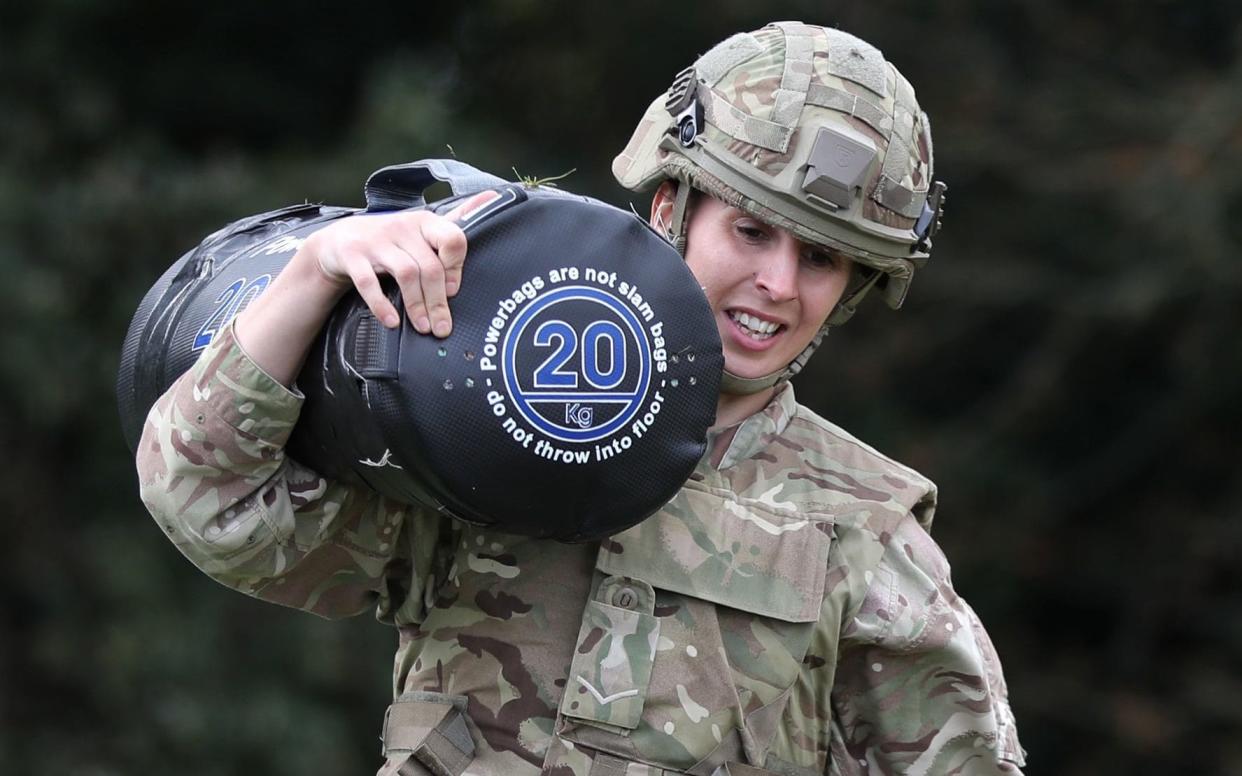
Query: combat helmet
x,y
809,129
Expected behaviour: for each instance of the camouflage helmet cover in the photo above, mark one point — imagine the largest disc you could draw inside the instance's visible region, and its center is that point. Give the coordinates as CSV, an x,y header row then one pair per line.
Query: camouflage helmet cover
x,y
809,129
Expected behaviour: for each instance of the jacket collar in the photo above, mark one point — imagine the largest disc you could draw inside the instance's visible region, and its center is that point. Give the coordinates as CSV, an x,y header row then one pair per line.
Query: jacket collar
x,y
753,434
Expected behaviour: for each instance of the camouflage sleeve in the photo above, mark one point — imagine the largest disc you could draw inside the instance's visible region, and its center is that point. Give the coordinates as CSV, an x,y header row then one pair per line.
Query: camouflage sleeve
x,y
919,688
213,472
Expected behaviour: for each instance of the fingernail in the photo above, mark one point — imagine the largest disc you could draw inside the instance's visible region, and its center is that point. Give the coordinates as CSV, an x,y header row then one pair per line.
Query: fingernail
x,y
450,287
443,328
423,324
390,320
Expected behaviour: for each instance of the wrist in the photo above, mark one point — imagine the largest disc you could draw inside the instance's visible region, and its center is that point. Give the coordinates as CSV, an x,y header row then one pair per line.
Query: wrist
x,y
306,272
277,328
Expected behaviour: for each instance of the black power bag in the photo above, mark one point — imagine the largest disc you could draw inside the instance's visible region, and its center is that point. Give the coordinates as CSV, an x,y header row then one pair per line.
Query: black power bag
x,y
571,400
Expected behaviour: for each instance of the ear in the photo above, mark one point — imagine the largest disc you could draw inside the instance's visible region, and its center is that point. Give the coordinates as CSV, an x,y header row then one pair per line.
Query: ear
x,y
662,207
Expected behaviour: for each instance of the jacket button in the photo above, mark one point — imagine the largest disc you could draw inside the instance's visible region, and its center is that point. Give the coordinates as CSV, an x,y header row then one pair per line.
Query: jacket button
x,y
626,598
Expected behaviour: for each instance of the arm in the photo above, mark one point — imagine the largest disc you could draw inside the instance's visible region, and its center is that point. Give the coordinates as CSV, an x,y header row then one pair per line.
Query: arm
x,y
213,473
919,687
211,462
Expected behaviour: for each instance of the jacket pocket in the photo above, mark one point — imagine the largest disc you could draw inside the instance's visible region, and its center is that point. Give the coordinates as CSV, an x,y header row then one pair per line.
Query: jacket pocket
x,y
614,654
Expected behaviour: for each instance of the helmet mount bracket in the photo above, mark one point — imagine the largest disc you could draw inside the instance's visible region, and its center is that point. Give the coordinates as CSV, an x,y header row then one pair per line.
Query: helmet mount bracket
x,y
685,107
929,221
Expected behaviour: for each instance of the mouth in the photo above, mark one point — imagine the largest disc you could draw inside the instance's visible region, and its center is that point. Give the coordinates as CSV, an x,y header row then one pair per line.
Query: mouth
x,y
753,326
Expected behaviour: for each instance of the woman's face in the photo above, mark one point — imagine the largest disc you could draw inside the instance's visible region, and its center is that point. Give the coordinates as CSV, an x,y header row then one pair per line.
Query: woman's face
x,y
769,291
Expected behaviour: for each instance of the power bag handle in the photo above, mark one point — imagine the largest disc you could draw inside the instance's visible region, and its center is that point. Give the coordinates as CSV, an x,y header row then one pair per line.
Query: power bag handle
x,y
401,186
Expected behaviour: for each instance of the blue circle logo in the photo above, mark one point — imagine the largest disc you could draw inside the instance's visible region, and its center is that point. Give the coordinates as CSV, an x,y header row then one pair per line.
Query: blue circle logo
x,y
577,363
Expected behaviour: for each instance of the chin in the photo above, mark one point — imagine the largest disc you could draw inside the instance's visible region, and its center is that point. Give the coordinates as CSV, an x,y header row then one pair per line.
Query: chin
x,y
751,370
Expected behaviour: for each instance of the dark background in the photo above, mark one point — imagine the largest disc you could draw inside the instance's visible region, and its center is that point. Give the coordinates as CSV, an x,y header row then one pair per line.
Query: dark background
x,y
1067,369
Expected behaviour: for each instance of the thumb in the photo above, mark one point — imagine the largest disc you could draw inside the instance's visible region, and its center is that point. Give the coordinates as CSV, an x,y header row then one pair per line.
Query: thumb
x,y
466,208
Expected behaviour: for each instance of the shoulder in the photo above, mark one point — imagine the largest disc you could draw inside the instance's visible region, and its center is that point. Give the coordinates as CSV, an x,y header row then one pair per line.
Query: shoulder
x,y
803,467
849,474
875,504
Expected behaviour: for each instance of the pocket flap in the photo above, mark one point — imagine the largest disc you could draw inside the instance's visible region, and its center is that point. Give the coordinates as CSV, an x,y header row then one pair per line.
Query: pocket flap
x,y
739,553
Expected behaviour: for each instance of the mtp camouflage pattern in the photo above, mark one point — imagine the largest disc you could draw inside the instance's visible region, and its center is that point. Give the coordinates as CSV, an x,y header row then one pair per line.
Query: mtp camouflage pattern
x,y
787,612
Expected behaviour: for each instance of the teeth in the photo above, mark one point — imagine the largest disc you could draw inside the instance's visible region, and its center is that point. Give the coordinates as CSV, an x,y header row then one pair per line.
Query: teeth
x,y
754,326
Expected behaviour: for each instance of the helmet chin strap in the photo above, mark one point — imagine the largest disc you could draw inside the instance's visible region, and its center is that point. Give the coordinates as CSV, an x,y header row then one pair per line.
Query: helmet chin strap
x,y
744,386
737,385
678,230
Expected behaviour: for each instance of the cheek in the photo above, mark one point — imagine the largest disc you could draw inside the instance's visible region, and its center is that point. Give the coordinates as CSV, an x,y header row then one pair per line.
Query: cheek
x,y
825,293
708,280
841,283
714,297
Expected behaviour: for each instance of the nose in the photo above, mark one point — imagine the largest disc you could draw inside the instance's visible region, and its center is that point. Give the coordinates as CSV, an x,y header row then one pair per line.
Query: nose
x,y
777,273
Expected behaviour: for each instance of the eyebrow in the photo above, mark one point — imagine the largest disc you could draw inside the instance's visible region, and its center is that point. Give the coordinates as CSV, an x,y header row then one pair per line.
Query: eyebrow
x,y
736,212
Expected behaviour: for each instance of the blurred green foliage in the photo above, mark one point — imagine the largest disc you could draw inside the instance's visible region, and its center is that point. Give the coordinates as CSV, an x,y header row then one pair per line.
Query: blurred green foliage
x,y
1068,369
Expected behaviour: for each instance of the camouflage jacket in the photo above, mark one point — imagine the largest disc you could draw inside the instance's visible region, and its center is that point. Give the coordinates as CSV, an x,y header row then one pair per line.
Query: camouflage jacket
x,y
787,612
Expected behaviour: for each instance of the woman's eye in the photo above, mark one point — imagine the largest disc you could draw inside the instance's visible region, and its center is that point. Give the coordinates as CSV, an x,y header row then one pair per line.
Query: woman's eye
x,y
823,260
750,231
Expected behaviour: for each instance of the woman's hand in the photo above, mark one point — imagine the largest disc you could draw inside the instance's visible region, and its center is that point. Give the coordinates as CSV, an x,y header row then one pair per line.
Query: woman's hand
x,y
422,251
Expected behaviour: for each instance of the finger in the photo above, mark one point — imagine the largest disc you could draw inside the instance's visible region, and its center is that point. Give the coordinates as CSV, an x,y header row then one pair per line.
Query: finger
x,y
407,271
449,243
453,267
368,286
443,245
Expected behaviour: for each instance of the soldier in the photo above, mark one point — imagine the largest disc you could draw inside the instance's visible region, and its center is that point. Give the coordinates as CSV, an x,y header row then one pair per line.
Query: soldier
x,y
787,612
